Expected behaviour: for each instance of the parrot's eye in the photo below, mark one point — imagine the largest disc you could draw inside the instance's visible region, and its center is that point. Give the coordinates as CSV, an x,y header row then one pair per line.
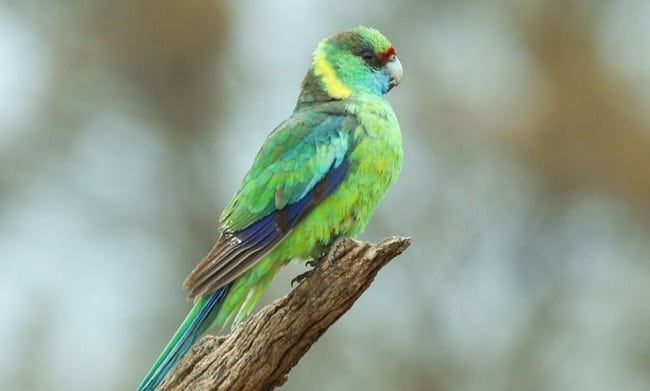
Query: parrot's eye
x,y
367,55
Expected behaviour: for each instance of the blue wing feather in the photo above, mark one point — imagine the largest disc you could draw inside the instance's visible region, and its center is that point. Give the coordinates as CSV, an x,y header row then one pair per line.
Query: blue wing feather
x,y
273,225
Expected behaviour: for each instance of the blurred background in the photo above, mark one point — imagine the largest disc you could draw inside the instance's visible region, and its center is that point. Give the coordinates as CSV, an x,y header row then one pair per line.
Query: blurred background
x,y
126,126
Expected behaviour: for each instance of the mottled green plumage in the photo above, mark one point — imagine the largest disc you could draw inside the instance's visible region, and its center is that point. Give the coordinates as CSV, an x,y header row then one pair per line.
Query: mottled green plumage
x,y
319,176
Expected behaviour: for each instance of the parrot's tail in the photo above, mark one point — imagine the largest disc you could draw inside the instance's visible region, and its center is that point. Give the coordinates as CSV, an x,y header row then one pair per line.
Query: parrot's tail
x,y
196,322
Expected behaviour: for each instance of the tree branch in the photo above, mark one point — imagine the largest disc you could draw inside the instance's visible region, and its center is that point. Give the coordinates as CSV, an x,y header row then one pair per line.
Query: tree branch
x,y
261,351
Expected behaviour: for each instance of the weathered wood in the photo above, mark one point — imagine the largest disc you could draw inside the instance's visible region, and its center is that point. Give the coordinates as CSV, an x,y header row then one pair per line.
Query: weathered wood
x,y
261,351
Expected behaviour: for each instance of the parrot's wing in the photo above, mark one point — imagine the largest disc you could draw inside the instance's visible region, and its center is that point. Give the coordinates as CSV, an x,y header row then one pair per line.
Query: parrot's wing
x,y
299,165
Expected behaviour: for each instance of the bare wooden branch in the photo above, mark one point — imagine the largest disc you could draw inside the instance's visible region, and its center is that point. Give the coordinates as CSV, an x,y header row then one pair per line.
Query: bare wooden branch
x,y
261,351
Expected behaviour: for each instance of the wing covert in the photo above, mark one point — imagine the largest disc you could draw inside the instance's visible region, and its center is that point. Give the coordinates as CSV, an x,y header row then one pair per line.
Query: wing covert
x,y
299,165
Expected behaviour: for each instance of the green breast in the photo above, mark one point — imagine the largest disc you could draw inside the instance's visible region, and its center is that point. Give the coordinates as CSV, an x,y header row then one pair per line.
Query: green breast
x,y
377,155
375,160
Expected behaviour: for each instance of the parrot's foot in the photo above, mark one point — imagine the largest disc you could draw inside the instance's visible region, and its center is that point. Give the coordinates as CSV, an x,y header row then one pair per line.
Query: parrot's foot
x,y
328,255
298,279
331,251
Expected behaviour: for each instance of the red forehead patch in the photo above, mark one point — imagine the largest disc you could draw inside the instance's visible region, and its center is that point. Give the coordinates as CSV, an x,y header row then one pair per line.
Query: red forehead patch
x,y
386,54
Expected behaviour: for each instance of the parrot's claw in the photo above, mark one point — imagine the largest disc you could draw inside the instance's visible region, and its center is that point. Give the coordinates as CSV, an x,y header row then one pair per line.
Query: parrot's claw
x,y
328,255
298,279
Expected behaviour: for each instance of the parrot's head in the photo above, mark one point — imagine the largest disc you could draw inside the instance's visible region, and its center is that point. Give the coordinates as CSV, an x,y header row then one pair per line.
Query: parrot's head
x,y
357,61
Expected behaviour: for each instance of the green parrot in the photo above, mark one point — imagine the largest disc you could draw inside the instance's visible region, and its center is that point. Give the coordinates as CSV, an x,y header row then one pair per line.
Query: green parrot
x,y
318,177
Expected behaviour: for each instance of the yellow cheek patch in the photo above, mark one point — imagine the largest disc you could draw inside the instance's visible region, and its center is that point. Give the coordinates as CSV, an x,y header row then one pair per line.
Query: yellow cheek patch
x,y
331,83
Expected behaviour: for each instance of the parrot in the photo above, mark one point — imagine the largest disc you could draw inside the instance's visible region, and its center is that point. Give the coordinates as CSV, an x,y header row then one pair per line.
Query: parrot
x,y
316,179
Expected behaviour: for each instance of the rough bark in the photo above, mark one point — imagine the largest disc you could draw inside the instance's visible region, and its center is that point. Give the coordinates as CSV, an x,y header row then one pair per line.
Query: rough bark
x,y
261,351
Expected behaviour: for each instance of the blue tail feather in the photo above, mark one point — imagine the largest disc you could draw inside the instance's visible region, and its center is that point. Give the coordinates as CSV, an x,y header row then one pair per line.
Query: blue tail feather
x,y
196,323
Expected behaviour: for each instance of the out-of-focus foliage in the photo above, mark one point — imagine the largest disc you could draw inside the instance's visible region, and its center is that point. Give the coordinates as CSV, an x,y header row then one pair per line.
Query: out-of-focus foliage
x,y
125,127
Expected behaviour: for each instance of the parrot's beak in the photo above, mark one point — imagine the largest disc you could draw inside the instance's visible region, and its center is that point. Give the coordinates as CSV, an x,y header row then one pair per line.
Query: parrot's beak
x,y
395,70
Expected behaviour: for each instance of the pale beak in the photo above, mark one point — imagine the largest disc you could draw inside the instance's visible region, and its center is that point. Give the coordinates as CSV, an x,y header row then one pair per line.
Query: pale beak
x,y
395,70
